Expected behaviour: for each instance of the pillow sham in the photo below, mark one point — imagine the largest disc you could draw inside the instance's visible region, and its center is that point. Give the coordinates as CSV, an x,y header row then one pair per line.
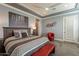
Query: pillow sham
x,y
20,33
17,34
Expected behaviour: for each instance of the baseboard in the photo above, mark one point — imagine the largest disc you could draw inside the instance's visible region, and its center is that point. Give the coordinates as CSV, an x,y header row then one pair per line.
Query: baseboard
x,y
56,39
61,40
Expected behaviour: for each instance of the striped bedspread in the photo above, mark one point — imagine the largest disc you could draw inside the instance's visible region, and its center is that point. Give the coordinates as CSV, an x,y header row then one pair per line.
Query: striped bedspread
x,y
24,46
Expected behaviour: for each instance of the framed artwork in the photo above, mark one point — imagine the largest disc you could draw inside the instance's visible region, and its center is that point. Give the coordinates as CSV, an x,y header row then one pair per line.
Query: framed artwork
x,y
50,24
16,20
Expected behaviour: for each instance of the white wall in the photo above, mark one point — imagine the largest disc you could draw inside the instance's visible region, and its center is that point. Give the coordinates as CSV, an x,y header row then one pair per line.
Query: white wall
x,y
58,28
32,22
4,19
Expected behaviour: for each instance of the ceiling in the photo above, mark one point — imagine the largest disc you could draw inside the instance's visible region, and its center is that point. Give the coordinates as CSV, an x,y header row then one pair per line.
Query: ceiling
x,y
40,8
45,9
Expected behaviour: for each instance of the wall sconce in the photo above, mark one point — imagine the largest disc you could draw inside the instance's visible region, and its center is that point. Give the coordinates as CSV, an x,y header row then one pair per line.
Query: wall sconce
x,y
33,27
33,32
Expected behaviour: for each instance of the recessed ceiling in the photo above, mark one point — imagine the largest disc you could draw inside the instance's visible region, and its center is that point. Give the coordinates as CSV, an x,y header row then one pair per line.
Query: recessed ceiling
x,y
45,9
40,8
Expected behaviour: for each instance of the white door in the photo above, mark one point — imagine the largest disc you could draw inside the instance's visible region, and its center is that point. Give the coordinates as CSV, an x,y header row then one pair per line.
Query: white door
x,y
68,28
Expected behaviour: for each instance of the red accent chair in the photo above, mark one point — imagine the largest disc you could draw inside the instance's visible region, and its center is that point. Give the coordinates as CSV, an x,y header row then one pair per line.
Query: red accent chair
x,y
50,36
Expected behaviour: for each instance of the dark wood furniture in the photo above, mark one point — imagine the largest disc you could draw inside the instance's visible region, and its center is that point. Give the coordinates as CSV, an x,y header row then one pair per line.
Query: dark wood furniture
x,y
8,31
2,49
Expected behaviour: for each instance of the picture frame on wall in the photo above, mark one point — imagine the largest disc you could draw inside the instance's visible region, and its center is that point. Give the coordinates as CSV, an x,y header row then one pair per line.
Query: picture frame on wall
x,y
16,20
50,24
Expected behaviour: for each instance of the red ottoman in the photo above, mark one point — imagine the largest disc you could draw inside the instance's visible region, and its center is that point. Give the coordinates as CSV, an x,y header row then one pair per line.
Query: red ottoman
x,y
45,50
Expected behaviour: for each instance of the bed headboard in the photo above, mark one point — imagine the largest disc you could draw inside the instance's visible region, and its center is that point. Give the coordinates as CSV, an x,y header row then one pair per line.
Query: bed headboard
x,y
8,31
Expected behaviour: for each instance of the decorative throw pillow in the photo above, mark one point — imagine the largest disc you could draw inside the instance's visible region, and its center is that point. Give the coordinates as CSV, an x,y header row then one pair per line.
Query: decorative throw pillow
x,y
20,33
24,34
16,34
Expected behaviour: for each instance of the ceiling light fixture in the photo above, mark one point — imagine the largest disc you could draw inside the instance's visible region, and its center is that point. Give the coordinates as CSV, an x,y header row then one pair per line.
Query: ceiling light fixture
x,y
46,8
65,5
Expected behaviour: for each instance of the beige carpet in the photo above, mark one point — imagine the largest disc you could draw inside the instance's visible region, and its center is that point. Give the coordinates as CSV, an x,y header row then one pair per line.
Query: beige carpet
x,y
66,49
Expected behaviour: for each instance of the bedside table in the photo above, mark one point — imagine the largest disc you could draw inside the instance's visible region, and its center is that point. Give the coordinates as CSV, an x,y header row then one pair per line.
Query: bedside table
x,y
2,49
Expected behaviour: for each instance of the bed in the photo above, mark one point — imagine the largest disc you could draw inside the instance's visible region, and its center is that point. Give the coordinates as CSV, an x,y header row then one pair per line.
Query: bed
x,y
23,46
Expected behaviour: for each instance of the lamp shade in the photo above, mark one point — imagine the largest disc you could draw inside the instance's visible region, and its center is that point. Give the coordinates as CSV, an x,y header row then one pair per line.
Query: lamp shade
x,y
33,27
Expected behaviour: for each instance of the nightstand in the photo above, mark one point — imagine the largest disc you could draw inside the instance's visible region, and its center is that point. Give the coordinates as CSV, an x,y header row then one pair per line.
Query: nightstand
x,y
2,49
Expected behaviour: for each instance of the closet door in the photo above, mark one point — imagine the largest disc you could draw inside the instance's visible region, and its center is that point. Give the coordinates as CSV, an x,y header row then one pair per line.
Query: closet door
x,y
68,28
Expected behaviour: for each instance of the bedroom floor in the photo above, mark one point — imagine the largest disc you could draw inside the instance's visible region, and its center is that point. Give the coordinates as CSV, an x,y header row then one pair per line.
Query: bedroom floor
x,y
66,49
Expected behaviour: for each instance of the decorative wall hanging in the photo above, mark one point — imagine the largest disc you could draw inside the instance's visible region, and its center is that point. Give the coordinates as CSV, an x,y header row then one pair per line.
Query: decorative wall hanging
x,y
51,24
16,20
